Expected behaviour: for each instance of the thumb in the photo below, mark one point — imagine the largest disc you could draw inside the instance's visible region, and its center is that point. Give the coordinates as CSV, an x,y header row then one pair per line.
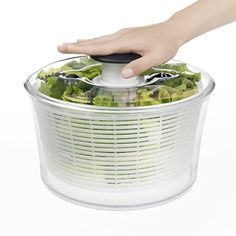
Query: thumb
x,y
136,67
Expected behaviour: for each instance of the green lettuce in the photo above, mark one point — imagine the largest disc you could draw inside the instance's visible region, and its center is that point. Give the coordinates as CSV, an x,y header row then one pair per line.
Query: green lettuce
x,y
73,93
107,101
162,91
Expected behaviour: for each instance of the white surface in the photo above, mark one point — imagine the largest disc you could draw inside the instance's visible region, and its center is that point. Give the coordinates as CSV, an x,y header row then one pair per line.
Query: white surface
x,y
30,30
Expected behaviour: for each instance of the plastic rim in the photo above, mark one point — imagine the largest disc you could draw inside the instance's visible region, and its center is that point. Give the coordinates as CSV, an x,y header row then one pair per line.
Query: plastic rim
x,y
49,100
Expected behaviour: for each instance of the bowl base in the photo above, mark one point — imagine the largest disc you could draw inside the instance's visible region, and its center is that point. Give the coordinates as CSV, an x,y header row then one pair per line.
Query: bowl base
x,y
113,201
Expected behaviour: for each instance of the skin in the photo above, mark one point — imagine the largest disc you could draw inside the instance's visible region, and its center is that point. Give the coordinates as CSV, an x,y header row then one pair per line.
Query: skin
x,y
160,42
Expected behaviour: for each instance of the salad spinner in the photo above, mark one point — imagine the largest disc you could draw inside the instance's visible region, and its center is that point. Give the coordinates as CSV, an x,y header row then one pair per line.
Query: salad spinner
x,y
114,143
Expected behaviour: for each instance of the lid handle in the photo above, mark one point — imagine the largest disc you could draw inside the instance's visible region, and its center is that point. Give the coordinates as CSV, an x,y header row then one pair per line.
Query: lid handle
x,y
122,58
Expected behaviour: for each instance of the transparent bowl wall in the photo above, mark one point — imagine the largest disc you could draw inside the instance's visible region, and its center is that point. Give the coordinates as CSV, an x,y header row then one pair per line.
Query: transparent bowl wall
x,y
119,158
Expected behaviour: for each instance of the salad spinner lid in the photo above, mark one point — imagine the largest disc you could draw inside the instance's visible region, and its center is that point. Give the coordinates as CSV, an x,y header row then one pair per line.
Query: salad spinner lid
x,y
98,81
111,76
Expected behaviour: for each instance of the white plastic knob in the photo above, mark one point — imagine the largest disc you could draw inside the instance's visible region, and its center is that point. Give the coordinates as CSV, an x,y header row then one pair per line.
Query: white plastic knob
x,y
112,76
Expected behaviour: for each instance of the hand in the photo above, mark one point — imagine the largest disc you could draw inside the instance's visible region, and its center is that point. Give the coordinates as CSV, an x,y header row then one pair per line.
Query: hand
x,y
159,42
155,43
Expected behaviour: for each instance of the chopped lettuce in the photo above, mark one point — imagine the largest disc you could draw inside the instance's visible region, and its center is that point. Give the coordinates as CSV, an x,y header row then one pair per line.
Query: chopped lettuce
x,y
45,89
73,93
81,67
83,62
57,88
162,91
163,95
44,75
145,98
107,101
53,87
180,67
176,96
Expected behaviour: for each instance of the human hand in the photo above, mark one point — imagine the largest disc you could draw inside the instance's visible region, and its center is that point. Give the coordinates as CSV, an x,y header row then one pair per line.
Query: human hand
x,y
159,42
155,43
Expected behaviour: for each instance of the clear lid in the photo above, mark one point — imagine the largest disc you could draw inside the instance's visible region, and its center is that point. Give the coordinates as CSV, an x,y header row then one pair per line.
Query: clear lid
x,y
98,81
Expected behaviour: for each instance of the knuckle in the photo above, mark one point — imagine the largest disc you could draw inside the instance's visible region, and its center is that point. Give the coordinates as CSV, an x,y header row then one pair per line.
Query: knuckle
x,y
103,51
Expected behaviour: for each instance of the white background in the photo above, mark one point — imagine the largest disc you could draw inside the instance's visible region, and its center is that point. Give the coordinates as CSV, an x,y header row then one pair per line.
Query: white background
x,y
29,33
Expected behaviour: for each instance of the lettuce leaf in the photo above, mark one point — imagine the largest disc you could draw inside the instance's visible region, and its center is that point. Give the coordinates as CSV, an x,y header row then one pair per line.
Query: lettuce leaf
x,y
162,91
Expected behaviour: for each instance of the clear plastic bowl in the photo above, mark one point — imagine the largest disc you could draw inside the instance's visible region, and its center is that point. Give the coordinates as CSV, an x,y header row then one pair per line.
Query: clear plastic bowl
x,y
119,157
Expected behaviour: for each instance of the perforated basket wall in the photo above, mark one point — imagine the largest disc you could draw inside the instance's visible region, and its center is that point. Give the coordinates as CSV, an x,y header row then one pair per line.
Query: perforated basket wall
x,y
114,151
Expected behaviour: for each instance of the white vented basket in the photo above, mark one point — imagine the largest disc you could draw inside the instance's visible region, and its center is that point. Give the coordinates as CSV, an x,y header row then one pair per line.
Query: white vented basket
x,y
119,158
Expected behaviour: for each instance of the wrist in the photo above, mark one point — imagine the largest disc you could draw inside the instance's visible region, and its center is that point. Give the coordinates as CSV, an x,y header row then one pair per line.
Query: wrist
x,y
177,31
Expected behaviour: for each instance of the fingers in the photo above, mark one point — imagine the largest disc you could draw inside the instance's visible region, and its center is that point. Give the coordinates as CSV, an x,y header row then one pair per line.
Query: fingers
x,y
73,47
105,38
138,66
101,39
64,47
104,48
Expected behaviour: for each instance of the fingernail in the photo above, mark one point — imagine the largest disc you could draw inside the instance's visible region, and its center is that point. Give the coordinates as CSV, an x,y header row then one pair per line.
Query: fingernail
x,y
128,72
